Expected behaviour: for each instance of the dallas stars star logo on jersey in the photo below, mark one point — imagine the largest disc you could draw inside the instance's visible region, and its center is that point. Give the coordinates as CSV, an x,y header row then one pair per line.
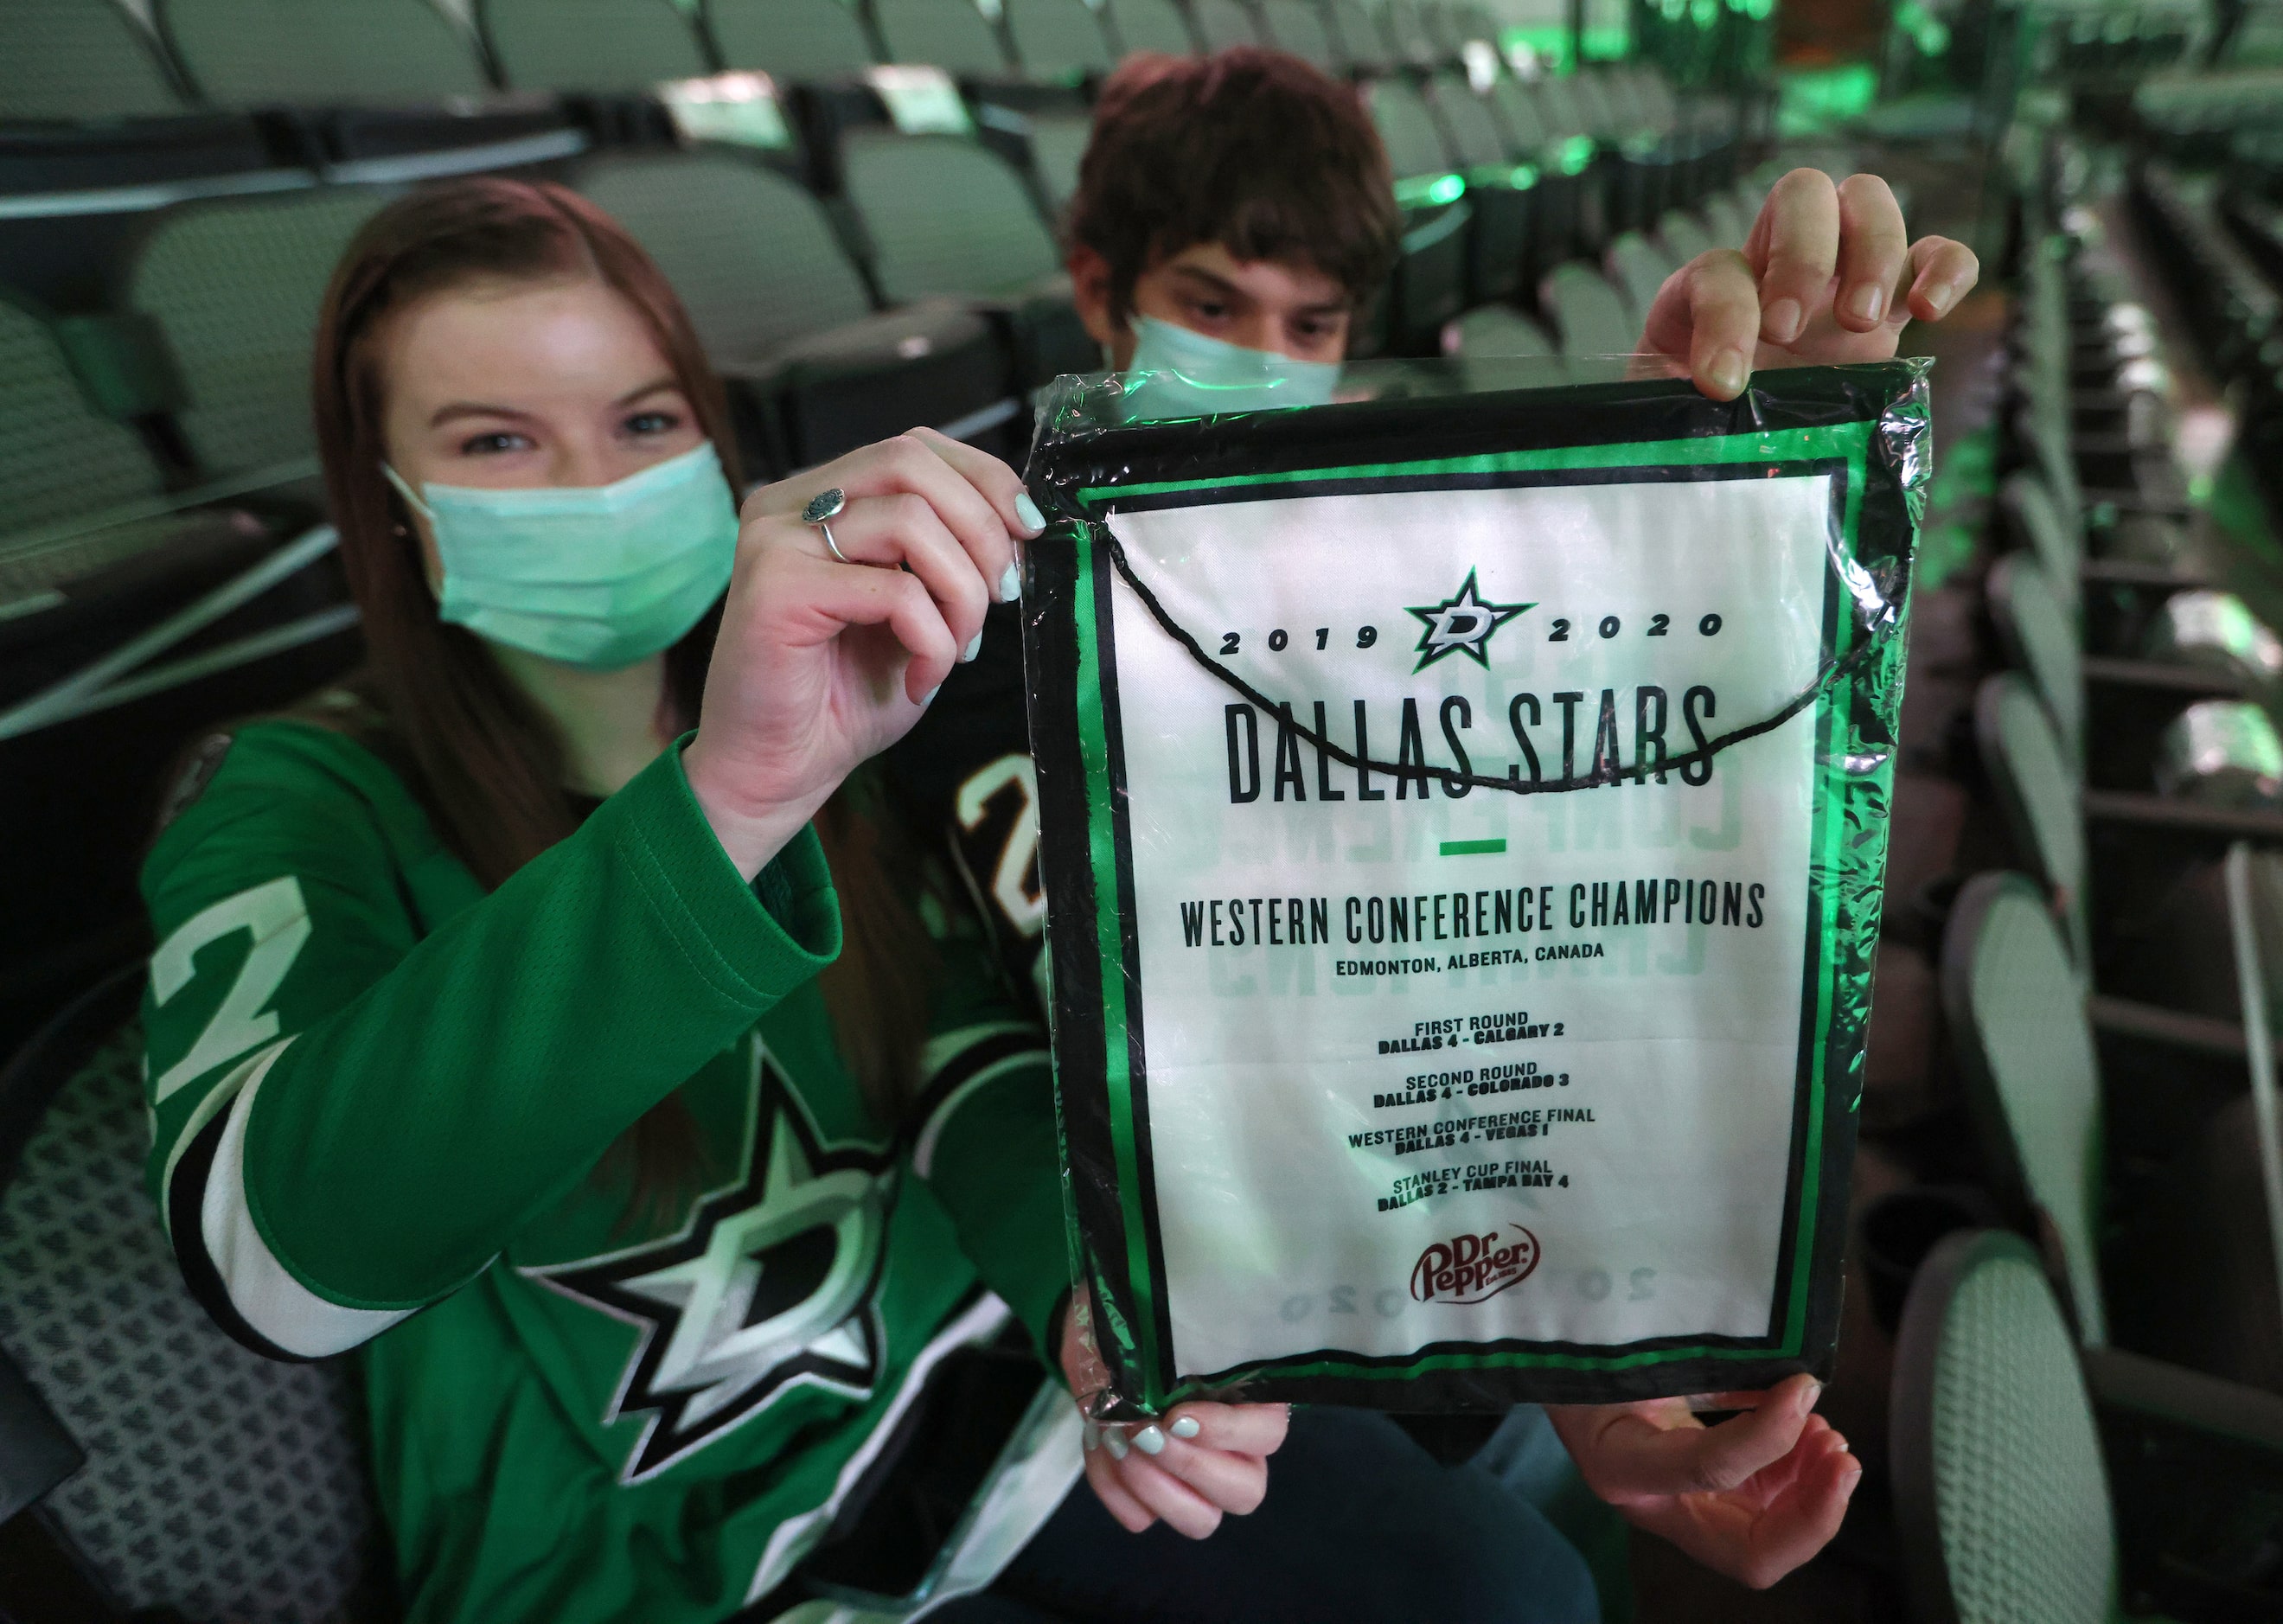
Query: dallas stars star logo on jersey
x,y
768,1287
1462,623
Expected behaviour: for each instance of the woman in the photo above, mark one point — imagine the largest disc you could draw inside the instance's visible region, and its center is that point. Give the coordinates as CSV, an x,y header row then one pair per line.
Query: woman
x,y
511,1023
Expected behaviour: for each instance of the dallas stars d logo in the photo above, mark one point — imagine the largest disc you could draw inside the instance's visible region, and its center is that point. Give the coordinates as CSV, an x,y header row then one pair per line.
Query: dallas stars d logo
x,y
1462,623
766,1288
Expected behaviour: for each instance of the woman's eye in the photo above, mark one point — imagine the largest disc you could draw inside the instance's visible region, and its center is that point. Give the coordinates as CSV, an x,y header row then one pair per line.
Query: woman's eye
x,y
495,443
653,423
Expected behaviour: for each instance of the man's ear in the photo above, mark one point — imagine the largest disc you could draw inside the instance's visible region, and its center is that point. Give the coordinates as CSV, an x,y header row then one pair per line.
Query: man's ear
x,y
1089,275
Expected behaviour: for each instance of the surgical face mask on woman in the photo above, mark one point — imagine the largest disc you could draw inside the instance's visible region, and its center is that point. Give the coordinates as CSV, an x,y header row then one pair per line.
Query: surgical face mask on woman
x,y
597,577
1177,372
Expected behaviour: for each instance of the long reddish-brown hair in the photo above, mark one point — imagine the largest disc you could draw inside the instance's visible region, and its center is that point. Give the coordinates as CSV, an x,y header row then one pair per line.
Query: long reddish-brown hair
x,y
481,756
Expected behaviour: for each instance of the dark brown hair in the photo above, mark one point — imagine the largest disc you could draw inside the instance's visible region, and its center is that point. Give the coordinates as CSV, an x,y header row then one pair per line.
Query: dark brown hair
x,y
481,756
1252,149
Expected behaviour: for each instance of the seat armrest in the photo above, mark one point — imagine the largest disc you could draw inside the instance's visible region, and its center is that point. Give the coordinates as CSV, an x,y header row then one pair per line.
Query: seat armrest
x,y
2189,681
2132,572
2207,1035
2187,820
2150,1392
36,1450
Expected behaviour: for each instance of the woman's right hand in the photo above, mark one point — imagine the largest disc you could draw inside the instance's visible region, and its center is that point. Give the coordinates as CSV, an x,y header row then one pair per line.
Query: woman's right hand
x,y
820,664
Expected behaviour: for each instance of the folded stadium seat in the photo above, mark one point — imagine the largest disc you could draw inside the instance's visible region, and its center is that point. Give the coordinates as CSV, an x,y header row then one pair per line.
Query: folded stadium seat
x,y
951,34
1586,311
1432,265
785,316
59,460
795,40
2073,1163
1061,40
215,1483
2033,1478
1300,27
235,284
1042,129
1727,223
1223,23
248,53
1495,330
591,44
1502,190
1357,41
81,60
1405,30
946,217
1639,267
1151,25
1684,236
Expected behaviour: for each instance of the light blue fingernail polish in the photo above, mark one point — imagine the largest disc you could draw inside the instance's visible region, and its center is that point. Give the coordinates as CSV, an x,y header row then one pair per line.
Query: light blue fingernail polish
x,y
1010,585
1186,1427
1149,1440
1114,1441
1027,511
974,647
1090,1435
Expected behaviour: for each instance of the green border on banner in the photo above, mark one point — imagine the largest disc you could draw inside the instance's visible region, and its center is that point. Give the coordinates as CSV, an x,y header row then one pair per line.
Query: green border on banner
x,y
1849,443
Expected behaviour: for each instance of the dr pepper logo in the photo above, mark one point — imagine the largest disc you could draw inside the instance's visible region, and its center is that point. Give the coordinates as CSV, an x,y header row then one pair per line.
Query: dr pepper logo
x,y
1473,1267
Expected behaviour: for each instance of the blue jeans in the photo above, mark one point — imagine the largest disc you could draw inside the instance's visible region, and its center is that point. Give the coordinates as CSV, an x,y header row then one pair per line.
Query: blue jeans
x,y
1360,1526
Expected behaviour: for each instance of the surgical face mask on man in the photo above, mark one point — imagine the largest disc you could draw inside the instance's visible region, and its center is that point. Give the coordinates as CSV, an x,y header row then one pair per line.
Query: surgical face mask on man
x,y
1189,375
595,576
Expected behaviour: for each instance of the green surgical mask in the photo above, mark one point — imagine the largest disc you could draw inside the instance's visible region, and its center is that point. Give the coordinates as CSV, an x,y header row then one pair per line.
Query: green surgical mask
x,y
1177,373
596,577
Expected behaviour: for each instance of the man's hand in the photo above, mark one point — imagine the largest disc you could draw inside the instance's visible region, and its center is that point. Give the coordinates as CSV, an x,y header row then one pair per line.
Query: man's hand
x,y
1827,275
1752,1498
1195,1463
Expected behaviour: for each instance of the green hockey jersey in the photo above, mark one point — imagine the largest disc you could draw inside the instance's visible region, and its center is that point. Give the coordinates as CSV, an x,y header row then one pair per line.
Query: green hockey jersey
x,y
380,1099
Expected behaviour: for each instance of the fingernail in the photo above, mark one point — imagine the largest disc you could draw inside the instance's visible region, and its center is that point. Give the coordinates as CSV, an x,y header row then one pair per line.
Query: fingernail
x,y
1010,585
928,697
1027,511
1186,1427
974,647
1783,320
1149,1440
1114,1441
1942,295
1730,373
1090,1435
1865,303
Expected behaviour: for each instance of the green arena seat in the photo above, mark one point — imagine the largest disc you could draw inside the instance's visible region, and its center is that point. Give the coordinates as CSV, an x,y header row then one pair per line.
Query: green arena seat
x,y
792,39
815,371
80,59
1360,45
247,53
591,44
59,459
1436,259
946,217
1727,224
1058,144
1586,310
2040,637
235,284
1058,39
1684,236
2002,1505
1223,23
1298,27
951,34
1639,267
1152,25
1403,27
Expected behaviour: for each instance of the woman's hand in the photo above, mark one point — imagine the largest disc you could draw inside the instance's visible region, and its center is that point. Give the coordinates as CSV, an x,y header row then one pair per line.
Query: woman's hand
x,y
1827,275
821,664
1752,1498
1198,1462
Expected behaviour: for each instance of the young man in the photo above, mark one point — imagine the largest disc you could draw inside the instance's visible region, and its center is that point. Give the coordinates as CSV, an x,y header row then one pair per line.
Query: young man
x,y
1234,217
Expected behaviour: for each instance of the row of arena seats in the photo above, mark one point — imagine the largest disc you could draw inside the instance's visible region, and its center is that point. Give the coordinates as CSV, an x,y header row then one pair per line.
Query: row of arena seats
x,y
2081,956
82,59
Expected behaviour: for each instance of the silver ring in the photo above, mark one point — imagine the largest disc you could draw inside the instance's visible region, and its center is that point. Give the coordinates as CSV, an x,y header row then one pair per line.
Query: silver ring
x,y
823,508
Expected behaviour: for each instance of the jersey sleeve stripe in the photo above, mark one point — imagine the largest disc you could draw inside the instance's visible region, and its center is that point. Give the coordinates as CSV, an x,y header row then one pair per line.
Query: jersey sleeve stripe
x,y
229,1268
923,1148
